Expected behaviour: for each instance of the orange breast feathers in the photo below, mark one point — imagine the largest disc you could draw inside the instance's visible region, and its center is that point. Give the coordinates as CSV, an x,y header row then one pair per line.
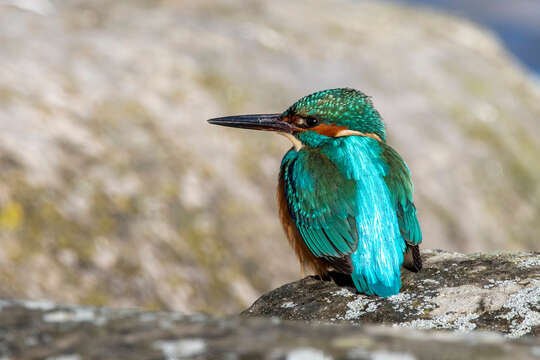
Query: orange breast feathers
x,y
305,256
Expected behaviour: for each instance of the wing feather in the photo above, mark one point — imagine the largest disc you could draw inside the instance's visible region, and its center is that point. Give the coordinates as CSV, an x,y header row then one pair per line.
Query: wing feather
x,y
398,180
321,202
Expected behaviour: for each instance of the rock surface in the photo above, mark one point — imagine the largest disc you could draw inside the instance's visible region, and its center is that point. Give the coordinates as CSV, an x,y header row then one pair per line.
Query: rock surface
x,y
43,330
114,190
497,292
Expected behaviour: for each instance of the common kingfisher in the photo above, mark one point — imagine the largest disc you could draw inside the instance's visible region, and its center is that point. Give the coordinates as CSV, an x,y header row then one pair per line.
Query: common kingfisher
x,y
344,195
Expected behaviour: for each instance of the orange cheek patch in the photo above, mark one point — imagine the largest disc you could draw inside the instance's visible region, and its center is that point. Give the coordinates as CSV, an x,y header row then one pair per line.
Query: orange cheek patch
x,y
329,130
339,131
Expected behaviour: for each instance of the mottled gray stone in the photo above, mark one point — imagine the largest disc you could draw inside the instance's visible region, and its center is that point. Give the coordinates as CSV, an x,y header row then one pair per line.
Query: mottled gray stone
x,y
496,292
32,330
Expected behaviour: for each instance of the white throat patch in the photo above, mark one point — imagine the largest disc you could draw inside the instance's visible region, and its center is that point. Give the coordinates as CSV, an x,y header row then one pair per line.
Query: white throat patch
x,y
296,143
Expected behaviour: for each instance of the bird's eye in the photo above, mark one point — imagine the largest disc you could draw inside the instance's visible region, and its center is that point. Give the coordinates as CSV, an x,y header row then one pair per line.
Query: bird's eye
x,y
311,121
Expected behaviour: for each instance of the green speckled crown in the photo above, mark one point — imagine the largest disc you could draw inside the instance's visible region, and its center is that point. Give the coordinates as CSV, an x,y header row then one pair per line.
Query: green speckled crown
x,y
342,107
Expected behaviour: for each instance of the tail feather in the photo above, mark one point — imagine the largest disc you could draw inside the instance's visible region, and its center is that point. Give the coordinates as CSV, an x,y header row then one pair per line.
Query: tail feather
x,y
411,259
378,288
379,275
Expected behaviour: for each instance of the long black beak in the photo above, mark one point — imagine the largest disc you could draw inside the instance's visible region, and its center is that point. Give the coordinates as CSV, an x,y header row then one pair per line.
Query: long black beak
x,y
269,122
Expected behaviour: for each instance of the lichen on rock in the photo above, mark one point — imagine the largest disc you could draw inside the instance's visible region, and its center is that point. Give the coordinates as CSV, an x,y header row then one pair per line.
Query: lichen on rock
x,y
79,332
454,291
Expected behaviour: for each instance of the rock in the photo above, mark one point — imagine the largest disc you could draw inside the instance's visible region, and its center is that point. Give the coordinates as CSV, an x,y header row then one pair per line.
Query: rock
x,y
39,330
495,292
115,191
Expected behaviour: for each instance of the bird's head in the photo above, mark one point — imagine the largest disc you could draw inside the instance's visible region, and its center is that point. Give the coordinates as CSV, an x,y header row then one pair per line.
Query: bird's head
x,y
317,119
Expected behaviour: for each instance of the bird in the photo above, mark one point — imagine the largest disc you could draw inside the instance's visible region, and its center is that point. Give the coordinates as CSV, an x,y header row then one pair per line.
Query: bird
x,y
345,197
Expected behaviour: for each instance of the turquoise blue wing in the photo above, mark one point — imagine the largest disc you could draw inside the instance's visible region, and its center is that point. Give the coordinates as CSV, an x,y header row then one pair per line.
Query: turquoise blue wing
x,y
378,258
341,202
322,204
398,180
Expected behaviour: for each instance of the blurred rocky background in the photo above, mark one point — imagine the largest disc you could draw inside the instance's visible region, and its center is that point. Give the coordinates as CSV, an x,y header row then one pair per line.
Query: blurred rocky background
x,y
515,23
114,190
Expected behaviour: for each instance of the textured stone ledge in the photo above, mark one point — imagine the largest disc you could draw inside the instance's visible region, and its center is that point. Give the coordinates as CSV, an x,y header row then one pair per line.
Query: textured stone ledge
x,y
43,330
496,292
